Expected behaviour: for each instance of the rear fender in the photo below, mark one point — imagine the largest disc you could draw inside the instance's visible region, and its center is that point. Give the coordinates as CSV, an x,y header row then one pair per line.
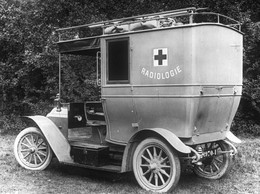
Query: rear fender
x,y
55,138
170,137
231,137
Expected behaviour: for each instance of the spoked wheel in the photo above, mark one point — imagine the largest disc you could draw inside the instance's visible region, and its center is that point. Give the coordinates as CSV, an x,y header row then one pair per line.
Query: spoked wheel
x,y
31,149
216,162
156,166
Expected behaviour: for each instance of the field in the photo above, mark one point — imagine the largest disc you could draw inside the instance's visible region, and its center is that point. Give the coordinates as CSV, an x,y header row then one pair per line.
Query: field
x,y
243,178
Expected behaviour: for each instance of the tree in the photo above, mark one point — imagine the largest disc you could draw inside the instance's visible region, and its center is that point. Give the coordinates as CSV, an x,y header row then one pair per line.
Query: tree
x,y
29,55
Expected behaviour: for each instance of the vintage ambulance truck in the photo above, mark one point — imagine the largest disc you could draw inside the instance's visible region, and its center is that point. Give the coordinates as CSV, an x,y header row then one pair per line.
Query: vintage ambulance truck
x,y
170,86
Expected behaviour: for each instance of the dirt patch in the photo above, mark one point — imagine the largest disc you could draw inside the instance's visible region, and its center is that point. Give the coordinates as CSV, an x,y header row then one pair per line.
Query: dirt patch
x,y
243,178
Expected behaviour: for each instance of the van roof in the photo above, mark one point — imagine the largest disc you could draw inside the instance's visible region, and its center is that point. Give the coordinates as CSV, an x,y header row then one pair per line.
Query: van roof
x,y
85,39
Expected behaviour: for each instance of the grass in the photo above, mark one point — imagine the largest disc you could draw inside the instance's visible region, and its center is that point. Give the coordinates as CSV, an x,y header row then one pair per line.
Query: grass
x,y
244,176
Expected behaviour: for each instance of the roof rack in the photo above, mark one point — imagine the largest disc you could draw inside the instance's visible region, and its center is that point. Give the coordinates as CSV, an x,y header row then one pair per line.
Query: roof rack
x,y
171,18
124,20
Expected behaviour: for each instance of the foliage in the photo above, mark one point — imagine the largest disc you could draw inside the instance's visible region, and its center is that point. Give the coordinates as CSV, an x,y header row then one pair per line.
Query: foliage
x,y
243,126
29,57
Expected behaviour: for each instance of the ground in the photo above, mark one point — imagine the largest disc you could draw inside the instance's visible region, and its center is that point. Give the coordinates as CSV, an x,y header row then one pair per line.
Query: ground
x,y
244,176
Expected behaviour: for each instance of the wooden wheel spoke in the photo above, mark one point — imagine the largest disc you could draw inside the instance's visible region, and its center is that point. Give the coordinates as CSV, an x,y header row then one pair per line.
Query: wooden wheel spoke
x,y
149,170
164,159
32,139
216,166
165,166
24,157
161,177
26,145
42,153
149,153
218,160
147,160
25,150
28,141
151,176
211,169
164,173
39,144
156,179
35,139
160,154
206,169
42,148
154,152
35,159
30,158
201,168
37,155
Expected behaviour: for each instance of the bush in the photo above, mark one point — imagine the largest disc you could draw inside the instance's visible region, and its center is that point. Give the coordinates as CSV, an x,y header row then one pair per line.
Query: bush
x,y
245,127
11,123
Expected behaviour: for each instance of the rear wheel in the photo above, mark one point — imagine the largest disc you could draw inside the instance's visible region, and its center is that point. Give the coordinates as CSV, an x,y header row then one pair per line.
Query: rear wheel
x,y
32,150
217,161
156,165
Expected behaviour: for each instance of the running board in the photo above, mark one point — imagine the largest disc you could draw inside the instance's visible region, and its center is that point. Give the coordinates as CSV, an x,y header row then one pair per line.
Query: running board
x,y
108,168
81,144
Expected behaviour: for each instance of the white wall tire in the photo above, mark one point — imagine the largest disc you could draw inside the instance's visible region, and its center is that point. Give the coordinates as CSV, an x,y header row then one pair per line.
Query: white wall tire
x,y
32,150
156,166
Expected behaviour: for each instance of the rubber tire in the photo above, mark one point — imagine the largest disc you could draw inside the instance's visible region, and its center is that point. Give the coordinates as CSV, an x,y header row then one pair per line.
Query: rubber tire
x,y
23,133
224,170
176,167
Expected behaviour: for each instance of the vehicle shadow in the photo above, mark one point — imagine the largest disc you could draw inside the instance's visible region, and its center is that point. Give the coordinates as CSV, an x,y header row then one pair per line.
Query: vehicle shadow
x,y
187,179
92,174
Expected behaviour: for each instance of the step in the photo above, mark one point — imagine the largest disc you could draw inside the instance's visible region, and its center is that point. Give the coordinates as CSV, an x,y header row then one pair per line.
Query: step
x,y
109,168
81,144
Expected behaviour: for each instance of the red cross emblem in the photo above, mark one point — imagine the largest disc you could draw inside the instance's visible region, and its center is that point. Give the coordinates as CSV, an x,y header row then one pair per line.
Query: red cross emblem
x,y
160,57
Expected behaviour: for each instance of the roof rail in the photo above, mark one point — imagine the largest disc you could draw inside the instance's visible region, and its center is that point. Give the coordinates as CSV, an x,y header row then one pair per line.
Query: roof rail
x,y
121,20
157,20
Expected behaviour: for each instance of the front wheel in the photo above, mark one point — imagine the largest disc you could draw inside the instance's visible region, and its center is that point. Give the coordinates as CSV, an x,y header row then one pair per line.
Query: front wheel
x,y
156,166
32,150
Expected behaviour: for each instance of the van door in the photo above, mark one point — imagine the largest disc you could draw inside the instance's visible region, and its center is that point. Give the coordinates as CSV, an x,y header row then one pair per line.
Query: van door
x,y
116,89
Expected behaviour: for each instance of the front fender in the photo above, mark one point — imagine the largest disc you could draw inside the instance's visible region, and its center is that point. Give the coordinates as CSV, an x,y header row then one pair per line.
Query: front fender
x,y
55,138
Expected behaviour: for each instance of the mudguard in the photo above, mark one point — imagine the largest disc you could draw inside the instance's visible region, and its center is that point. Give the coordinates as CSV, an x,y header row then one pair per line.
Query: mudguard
x,y
59,144
170,137
231,137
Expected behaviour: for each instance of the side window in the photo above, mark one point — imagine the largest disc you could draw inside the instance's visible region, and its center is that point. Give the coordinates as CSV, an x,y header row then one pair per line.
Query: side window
x,y
118,61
